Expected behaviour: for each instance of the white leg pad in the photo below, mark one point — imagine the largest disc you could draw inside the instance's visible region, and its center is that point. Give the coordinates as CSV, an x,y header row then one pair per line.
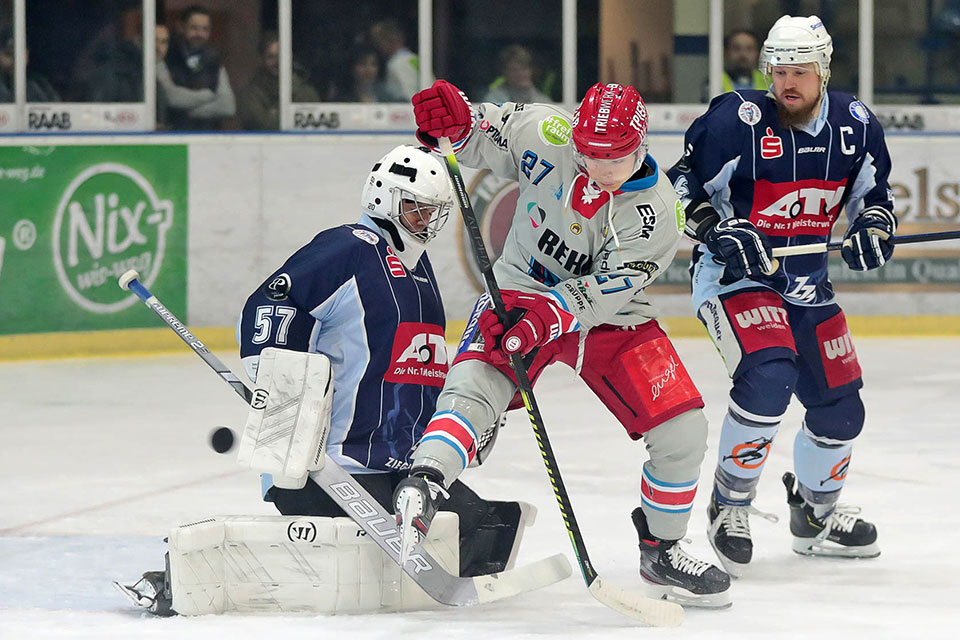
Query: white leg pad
x,y
286,430
282,564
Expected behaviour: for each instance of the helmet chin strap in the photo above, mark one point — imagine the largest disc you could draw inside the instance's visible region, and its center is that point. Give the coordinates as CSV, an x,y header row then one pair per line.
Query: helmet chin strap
x,y
408,251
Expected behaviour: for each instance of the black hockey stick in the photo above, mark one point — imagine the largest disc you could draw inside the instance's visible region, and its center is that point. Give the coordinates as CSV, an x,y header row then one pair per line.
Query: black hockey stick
x,y
651,611
823,247
379,524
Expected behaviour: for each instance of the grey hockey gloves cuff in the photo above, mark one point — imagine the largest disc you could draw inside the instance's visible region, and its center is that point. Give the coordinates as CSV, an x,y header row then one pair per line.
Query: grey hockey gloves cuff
x,y
743,249
866,245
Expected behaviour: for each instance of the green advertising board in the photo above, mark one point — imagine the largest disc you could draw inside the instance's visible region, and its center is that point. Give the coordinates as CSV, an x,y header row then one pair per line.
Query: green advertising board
x,y
74,218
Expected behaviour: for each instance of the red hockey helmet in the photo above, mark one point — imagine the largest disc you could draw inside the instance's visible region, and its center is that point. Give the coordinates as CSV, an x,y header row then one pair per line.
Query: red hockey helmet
x,y
611,122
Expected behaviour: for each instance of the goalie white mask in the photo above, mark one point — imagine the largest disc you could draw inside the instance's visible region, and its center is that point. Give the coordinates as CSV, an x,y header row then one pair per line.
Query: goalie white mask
x,y
408,195
795,41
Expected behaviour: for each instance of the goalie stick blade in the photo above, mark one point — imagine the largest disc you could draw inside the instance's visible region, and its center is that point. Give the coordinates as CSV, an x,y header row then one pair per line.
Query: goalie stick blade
x,y
530,577
656,613
444,587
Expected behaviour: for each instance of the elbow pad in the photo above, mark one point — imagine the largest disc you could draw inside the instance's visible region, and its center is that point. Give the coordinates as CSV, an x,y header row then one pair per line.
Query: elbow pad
x,y
701,217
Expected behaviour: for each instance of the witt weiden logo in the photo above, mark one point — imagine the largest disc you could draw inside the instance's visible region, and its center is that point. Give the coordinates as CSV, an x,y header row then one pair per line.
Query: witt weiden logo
x,y
108,221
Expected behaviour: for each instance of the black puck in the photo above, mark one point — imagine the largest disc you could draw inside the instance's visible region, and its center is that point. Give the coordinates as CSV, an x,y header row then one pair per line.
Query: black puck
x,y
222,439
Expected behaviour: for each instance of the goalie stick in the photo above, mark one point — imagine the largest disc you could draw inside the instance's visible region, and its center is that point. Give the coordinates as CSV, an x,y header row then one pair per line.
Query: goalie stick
x,y
659,613
823,247
370,515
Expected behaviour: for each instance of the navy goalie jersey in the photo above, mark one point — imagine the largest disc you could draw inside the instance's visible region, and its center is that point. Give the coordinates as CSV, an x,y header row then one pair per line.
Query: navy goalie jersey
x,y
791,183
347,295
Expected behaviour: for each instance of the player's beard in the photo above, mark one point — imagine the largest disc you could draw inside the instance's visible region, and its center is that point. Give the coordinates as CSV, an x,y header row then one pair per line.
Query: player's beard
x,y
798,117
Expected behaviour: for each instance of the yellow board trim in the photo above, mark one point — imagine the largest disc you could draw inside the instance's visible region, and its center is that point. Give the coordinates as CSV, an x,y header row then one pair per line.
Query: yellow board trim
x,y
85,344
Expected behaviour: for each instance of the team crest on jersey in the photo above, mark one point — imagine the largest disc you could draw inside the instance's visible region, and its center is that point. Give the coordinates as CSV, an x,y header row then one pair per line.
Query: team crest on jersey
x,y
749,112
859,111
588,198
771,146
367,236
419,355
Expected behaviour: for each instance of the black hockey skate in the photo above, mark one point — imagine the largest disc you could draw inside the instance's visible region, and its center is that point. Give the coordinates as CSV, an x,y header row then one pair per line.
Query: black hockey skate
x,y
729,533
676,576
415,502
151,592
841,534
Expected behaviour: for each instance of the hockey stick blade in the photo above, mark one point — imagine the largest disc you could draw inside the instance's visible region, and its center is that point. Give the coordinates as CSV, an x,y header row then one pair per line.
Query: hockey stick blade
x,y
647,610
656,613
377,522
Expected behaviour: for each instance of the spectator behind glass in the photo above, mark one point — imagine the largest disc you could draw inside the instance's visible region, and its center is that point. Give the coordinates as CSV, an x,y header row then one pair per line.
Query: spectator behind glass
x,y
194,65
39,88
114,65
516,83
741,57
363,83
402,65
258,103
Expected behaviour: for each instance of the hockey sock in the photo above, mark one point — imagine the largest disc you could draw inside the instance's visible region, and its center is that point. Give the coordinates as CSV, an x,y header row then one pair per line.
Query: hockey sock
x,y
744,446
821,465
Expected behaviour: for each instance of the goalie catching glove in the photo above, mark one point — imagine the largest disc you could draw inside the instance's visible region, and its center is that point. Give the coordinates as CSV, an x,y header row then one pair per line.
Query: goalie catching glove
x,y
866,244
442,111
540,321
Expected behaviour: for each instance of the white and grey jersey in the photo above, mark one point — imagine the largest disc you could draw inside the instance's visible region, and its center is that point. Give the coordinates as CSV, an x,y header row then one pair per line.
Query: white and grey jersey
x,y
567,239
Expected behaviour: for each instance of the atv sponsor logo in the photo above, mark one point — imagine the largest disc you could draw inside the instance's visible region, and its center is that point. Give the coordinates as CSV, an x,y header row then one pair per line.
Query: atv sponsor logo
x,y
759,320
419,355
836,352
109,220
803,207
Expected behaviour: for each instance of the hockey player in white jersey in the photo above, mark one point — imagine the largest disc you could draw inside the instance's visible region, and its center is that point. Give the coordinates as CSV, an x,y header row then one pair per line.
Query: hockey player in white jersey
x,y
596,222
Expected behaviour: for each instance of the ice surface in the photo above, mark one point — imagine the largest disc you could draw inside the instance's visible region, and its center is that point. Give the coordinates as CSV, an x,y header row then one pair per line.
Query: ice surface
x,y
100,458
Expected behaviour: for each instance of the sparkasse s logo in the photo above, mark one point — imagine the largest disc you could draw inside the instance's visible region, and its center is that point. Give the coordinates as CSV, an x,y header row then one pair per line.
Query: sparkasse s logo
x,y
109,220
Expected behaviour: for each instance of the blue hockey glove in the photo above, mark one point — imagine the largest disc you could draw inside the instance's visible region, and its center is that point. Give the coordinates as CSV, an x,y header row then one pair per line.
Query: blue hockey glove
x,y
743,249
866,245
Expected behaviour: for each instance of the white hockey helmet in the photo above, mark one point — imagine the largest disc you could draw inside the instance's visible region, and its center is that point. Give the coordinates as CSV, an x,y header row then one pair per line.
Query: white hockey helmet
x,y
410,182
795,41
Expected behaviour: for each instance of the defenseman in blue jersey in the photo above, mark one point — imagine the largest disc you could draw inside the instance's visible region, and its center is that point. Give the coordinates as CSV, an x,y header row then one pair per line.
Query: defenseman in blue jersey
x,y
773,169
365,295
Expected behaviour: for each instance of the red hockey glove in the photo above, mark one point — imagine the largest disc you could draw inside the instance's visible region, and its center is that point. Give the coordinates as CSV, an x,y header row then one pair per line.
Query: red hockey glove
x,y
442,111
541,321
